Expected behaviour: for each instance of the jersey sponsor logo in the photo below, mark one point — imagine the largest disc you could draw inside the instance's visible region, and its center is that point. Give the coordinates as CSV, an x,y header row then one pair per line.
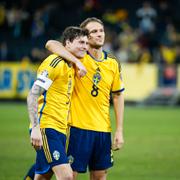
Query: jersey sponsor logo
x,y
55,62
56,155
70,159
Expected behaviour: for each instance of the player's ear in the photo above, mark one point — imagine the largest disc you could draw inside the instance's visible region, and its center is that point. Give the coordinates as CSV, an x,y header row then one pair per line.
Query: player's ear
x,y
68,43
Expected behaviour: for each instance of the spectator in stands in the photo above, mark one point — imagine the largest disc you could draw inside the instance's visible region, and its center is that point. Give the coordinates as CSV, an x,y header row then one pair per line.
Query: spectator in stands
x,y
127,40
15,17
169,76
170,35
147,15
164,15
38,25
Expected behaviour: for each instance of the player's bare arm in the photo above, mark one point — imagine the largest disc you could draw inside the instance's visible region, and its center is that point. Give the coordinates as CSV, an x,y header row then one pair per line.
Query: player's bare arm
x,y
32,103
118,100
57,48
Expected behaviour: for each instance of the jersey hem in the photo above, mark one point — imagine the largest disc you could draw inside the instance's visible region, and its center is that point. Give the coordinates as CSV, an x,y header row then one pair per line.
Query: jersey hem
x,y
90,129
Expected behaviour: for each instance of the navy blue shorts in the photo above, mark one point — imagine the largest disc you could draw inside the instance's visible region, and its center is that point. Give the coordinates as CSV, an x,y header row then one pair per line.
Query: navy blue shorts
x,y
89,149
53,152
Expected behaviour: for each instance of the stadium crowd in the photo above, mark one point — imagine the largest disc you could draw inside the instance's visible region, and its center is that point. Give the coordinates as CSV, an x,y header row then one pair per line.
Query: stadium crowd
x,y
138,31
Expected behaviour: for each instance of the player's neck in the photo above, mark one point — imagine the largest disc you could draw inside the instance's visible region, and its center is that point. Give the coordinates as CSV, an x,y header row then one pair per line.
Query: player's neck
x,y
96,53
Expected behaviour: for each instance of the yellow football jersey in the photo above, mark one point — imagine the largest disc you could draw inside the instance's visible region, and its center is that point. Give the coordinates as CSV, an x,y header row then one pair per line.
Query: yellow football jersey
x,y
57,77
91,95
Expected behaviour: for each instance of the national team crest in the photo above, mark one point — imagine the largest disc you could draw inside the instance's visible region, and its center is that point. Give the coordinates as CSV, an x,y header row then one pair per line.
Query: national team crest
x,y
56,155
96,78
70,159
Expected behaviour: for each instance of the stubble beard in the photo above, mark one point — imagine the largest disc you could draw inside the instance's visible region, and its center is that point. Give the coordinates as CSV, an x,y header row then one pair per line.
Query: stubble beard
x,y
96,46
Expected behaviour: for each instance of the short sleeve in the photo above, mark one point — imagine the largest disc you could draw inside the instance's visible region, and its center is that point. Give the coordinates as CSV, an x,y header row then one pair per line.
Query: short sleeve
x,y
47,71
117,85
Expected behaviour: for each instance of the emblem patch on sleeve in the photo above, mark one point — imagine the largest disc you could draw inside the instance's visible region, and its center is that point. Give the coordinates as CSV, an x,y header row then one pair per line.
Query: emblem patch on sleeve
x,y
44,73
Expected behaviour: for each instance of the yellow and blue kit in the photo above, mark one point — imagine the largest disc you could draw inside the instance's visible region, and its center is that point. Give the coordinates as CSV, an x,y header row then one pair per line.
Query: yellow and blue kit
x,y
56,76
90,132
91,95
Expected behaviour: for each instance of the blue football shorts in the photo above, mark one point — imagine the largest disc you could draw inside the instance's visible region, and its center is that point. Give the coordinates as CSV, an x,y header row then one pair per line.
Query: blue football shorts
x,y
53,152
90,149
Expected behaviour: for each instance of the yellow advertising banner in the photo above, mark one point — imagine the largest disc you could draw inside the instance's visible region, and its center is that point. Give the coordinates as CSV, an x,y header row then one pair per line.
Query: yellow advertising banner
x,y
140,80
16,79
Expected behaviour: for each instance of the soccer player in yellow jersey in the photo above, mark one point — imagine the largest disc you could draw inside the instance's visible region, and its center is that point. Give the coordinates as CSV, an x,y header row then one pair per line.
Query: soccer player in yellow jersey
x,y
90,132
48,107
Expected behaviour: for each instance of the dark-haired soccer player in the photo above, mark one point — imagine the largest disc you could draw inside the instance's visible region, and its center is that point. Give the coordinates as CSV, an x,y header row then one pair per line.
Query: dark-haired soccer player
x,y
90,132
48,106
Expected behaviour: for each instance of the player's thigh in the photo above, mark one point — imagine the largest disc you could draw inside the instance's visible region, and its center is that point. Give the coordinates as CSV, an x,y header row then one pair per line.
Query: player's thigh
x,y
80,148
63,172
53,152
98,175
46,176
102,158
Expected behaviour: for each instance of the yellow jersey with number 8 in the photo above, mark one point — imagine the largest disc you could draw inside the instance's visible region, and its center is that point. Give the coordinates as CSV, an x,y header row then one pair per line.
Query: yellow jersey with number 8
x,y
91,95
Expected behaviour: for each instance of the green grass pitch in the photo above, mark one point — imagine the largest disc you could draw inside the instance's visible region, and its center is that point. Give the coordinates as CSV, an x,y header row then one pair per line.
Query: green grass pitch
x,y
151,150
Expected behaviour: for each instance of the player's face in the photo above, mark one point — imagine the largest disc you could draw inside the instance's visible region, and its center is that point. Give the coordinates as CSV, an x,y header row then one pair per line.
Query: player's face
x,y
79,46
96,34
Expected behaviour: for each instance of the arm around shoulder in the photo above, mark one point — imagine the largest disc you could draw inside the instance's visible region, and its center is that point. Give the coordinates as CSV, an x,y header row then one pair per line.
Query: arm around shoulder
x,y
57,48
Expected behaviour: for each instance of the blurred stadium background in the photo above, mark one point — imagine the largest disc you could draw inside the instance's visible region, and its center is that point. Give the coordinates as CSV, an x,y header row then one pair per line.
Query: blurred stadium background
x,y
144,35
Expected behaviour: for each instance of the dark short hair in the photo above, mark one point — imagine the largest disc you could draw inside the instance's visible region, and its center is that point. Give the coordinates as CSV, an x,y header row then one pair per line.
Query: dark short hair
x,y
88,20
72,32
